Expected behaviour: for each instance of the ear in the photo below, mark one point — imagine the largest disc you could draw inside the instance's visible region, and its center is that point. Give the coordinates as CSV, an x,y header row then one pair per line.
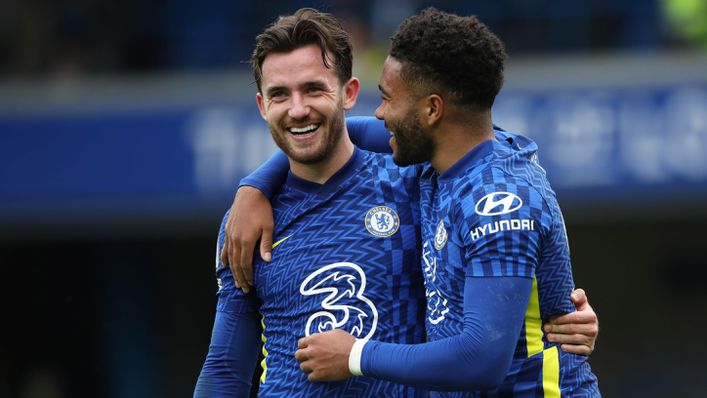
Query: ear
x,y
351,90
434,109
261,106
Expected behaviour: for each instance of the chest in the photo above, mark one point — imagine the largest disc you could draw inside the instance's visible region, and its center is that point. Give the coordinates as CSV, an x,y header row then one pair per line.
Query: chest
x,y
322,232
443,247
337,262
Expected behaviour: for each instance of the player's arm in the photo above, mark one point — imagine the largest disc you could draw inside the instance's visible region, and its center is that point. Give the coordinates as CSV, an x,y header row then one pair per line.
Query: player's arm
x,y
369,133
345,359
233,354
251,218
250,221
577,331
478,358
235,341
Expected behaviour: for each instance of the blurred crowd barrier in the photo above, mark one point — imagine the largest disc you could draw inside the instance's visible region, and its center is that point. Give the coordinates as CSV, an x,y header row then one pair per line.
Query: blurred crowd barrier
x,y
612,130
79,37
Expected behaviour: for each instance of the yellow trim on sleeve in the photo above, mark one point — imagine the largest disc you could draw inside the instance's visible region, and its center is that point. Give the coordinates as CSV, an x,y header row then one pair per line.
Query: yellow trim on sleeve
x,y
551,373
263,364
533,323
535,345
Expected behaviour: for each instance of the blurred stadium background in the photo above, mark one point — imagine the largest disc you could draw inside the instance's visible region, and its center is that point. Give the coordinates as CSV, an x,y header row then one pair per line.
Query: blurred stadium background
x,y
125,126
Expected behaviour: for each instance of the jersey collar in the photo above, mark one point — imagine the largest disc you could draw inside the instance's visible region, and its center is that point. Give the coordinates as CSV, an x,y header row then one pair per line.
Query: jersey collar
x,y
469,160
334,181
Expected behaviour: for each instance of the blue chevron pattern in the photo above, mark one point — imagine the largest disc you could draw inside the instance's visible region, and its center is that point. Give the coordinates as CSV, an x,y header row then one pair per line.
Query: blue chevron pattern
x,y
494,214
332,273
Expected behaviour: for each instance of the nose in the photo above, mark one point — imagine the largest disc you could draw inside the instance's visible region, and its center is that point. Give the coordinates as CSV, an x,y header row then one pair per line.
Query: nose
x,y
379,114
299,108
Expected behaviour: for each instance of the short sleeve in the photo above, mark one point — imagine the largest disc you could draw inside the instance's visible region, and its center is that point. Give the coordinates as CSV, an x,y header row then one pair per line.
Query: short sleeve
x,y
505,220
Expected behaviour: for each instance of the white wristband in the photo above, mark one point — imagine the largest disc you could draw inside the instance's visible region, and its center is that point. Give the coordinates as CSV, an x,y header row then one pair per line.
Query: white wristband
x,y
355,357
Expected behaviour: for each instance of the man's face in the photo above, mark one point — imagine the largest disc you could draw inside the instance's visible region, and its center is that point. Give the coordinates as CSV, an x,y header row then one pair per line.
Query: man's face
x,y
303,103
399,108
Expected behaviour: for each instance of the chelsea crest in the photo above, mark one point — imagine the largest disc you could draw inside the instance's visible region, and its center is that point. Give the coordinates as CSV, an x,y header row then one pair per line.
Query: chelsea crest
x,y
440,236
382,221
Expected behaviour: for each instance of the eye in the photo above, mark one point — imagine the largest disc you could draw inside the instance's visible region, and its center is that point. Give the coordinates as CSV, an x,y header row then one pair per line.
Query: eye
x,y
278,96
315,89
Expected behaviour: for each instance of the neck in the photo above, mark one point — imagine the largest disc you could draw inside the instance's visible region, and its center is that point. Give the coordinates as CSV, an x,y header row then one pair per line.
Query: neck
x,y
320,172
455,137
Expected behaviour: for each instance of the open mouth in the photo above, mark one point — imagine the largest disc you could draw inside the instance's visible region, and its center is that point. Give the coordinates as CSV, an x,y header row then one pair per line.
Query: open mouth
x,y
303,130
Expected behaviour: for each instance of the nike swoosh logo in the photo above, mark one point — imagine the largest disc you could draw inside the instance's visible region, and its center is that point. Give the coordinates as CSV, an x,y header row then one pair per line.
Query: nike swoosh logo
x,y
276,244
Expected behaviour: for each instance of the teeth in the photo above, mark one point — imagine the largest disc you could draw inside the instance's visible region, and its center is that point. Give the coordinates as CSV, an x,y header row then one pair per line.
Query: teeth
x,y
305,129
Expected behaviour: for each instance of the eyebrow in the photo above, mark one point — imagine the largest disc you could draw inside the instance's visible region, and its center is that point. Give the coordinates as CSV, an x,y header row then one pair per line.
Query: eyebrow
x,y
310,84
315,84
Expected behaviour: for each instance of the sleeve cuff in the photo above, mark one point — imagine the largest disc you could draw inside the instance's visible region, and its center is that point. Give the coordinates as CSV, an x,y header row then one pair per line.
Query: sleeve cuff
x,y
245,182
355,357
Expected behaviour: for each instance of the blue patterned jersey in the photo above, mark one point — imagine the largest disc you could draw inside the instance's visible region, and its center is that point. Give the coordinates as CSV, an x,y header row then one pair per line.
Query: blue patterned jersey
x,y
346,256
491,214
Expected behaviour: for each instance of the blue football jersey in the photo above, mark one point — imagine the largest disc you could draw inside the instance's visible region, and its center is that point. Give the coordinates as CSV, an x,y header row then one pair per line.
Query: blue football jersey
x,y
491,214
346,256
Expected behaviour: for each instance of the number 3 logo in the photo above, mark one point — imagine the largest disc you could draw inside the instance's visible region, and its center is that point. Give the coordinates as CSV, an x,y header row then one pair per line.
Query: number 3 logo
x,y
345,307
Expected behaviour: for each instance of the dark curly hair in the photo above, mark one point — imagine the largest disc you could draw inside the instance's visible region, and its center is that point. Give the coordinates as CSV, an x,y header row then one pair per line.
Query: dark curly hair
x,y
306,26
453,55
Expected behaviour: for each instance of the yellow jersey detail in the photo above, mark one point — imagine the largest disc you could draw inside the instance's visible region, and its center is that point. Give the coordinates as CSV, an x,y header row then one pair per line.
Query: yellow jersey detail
x,y
274,245
533,323
551,373
263,363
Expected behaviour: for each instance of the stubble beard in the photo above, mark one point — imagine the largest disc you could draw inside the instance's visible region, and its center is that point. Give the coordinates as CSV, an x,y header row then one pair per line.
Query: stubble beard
x,y
414,145
331,130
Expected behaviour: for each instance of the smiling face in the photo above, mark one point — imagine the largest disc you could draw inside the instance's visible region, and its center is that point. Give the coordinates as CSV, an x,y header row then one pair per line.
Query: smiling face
x,y
399,108
303,103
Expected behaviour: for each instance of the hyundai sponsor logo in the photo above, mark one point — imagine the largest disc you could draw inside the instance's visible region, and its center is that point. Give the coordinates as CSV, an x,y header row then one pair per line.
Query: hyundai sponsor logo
x,y
497,203
503,225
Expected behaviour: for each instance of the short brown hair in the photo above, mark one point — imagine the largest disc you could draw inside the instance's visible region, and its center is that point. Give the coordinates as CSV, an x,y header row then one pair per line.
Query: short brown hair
x,y
306,26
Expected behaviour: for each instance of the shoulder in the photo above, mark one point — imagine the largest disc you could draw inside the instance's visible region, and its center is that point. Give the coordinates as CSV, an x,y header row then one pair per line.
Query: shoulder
x,y
494,193
505,187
